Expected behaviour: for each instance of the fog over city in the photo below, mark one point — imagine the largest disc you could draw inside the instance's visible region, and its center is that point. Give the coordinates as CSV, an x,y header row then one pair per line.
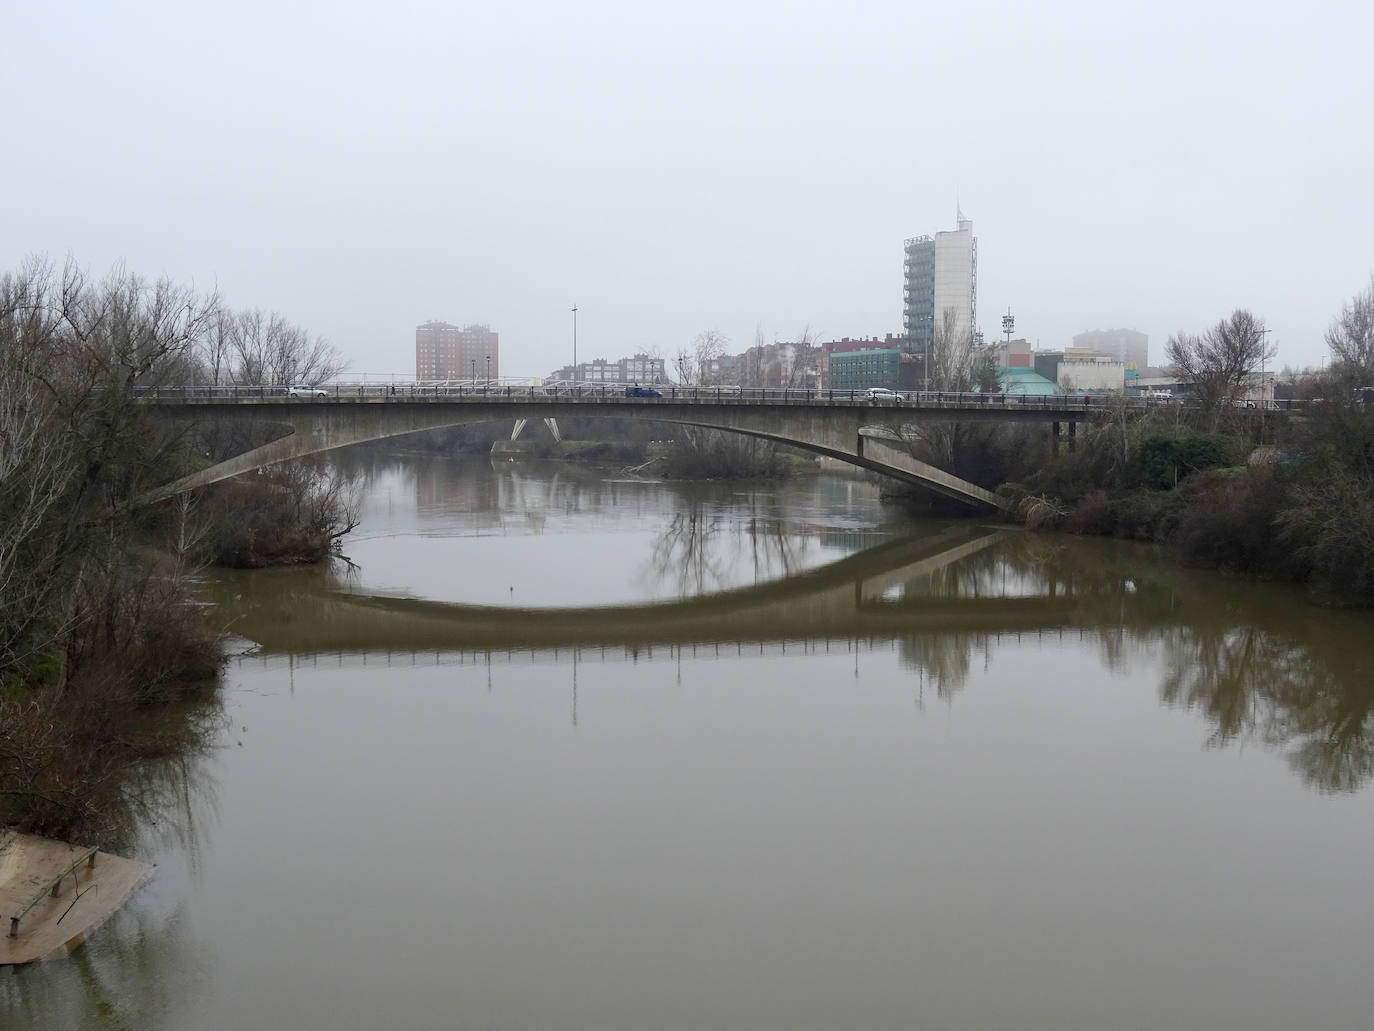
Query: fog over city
x,y
747,167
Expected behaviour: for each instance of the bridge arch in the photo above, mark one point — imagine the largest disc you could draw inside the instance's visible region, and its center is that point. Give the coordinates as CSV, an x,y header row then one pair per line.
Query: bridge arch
x,y
865,436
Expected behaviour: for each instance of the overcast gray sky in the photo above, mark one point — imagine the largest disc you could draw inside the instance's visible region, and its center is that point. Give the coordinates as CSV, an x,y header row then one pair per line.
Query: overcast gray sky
x,y
365,167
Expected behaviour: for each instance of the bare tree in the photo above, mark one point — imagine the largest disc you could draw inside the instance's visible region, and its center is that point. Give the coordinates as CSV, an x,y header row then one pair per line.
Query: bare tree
x,y
800,364
955,362
268,350
37,471
955,357
126,329
707,350
1219,363
1351,338
73,445
682,368
218,349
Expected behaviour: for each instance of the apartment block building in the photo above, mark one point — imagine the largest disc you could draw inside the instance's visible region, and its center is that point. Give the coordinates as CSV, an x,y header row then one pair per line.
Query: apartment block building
x,y
447,352
638,368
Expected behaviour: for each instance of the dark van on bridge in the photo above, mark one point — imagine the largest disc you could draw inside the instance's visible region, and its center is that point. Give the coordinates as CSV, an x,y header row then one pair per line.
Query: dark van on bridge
x,y
638,391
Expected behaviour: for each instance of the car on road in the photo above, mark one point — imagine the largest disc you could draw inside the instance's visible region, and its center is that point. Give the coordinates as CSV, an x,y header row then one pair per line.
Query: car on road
x,y
638,391
303,391
883,394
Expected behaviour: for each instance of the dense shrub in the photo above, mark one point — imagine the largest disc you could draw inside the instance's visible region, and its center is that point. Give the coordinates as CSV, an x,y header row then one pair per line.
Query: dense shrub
x,y
1145,515
1226,525
1329,525
1093,515
702,454
290,513
608,452
1165,460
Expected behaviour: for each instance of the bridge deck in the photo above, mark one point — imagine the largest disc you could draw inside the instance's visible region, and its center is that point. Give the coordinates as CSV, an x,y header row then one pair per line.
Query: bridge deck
x,y
1060,406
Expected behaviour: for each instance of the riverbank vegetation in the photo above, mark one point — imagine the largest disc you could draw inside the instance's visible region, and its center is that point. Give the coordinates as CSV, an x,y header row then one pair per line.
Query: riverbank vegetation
x,y
105,659
1278,494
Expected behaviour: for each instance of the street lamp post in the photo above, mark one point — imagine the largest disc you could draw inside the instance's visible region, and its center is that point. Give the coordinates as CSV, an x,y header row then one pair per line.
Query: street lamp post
x,y
488,370
574,364
474,374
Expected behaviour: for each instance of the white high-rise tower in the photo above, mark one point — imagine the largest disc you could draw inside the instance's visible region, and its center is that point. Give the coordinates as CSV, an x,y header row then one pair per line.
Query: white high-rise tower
x,y
941,274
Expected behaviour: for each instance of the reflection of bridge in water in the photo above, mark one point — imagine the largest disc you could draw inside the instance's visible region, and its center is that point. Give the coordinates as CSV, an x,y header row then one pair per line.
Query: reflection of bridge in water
x,y
893,590
695,651
1253,664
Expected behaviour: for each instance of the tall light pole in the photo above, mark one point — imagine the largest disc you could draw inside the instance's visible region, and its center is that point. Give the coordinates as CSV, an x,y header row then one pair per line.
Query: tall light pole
x,y
574,364
488,370
1263,401
1264,332
474,372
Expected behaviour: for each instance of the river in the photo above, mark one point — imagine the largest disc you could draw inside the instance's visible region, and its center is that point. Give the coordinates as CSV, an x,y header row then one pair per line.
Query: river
x,y
557,750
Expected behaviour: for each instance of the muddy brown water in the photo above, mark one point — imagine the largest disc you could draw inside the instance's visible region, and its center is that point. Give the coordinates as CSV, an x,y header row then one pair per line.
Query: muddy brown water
x,y
560,750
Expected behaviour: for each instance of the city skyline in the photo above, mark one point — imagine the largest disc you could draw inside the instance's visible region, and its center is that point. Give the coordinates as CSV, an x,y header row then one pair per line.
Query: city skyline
x,y
682,171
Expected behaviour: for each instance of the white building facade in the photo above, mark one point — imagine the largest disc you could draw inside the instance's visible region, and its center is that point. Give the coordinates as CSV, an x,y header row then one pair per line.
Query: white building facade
x,y
1092,374
940,273
956,277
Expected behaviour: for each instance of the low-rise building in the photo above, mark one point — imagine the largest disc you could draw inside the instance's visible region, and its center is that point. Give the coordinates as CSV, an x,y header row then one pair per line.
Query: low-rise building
x,y
642,368
1013,354
1020,380
1087,375
848,345
638,368
875,367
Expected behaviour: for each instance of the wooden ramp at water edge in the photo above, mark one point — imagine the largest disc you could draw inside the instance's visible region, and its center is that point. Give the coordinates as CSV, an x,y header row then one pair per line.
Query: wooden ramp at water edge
x,y
53,895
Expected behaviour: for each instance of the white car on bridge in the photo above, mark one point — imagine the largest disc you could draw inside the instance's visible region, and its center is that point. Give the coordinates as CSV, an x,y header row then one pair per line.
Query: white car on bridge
x,y
298,390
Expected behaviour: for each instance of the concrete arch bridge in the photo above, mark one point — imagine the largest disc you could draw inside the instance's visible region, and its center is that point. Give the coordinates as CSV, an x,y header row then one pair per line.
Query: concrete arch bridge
x,y
840,425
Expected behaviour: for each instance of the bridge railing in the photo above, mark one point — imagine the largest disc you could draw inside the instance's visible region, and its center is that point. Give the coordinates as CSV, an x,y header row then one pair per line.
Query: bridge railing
x,y
489,391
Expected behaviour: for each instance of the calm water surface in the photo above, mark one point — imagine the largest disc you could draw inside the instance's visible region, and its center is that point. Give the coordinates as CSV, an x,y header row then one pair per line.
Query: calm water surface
x,y
559,751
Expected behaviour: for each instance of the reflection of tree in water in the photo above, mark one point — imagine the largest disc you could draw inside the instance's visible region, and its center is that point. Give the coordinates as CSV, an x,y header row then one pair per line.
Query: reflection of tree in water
x,y
945,658
1312,699
163,798
143,968
1256,666
141,972
702,546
